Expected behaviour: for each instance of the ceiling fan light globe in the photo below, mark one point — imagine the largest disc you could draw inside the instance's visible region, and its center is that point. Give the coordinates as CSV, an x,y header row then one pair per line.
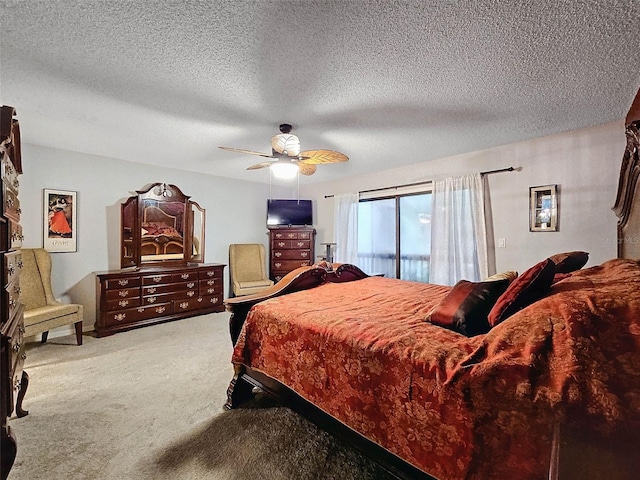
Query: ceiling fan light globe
x,y
284,170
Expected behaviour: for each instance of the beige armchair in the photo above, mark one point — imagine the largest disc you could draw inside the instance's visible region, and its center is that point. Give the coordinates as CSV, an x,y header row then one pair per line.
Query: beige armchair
x,y
247,269
42,311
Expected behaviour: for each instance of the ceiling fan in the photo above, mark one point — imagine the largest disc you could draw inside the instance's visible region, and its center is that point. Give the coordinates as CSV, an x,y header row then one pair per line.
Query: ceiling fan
x,y
286,159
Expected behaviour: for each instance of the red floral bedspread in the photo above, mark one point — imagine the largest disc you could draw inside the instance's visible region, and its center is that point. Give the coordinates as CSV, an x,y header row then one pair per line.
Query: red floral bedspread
x,y
458,407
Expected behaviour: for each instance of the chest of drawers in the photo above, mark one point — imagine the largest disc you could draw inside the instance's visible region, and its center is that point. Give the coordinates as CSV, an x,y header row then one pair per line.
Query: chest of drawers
x,y
127,299
290,248
13,380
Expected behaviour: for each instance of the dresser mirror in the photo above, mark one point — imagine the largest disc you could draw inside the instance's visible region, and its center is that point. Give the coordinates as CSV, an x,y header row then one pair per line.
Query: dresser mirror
x,y
160,224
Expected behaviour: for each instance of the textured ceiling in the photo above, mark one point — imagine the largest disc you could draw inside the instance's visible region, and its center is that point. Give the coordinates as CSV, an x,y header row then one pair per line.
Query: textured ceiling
x,y
386,82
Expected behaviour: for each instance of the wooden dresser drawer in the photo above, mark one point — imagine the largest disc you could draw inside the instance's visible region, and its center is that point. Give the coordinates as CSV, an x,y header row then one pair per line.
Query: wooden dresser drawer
x,y
123,317
288,265
167,297
15,235
123,303
197,303
210,272
169,287
290,244
291,254
11,297
124,282
122,293
12,266
10,204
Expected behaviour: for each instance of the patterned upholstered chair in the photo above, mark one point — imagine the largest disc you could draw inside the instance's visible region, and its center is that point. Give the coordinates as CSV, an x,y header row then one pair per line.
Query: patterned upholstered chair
x,y
247,269
42,311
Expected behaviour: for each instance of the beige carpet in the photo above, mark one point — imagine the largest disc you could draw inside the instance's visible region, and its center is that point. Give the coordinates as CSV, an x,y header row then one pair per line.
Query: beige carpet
x,y
147,404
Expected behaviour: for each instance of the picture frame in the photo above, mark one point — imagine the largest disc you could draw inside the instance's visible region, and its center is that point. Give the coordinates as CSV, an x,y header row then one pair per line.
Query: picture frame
x,y
60,226
543,208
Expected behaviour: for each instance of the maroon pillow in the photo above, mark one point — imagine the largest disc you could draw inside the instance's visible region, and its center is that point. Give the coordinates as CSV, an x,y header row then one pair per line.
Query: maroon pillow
x,y
568,262
465,307
523,291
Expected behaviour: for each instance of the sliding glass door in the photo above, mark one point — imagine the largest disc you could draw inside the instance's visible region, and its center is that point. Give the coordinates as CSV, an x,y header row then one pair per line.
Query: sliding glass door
x,y
394,236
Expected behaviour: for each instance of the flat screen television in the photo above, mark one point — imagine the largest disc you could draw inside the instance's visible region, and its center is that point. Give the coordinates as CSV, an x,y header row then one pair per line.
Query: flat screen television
x,y
289,212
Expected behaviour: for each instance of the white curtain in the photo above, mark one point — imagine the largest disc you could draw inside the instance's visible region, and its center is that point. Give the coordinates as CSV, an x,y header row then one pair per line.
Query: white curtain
x,y
458,231
345,228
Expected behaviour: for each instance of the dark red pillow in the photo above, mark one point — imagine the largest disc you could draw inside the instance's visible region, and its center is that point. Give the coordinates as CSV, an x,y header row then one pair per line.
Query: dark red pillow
x,y
465,308
568,262
523,291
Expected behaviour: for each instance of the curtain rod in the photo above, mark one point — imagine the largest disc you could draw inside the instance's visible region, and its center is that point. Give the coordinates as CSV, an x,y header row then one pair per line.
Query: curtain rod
x,y
500,170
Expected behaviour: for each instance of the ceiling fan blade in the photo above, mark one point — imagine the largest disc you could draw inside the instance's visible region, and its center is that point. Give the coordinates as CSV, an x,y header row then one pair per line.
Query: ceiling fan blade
x,y
318,157
248,152
260,165
306,169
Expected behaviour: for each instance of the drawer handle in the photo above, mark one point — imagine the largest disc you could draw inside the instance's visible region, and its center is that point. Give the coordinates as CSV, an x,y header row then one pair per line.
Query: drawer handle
x,y
304,254
191,285
123,293
160,309
304,264
9,202
123,303
21,329
11,269
190,293
16,183
151,290
16,347
281,244
277,254
199,299
12,303
18,210
123,282
17,290
120,316
17,384
23,356
157,278
300,244
278,264
211,273
152,299
20,264
214,299
140,309
184,305
185,276
211,282
211,290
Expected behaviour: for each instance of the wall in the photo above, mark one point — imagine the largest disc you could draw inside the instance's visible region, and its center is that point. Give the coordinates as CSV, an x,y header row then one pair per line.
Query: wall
x,y
235,213
584,163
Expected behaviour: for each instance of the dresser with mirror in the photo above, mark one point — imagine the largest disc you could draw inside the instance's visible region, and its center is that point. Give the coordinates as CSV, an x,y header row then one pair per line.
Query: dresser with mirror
x,y
163,276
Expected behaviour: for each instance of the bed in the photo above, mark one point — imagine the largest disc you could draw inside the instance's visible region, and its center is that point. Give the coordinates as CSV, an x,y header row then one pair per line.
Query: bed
x,y
529,378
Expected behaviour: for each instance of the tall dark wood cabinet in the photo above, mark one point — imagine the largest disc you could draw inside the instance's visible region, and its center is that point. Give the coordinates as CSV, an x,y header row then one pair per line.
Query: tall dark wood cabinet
x,y
13,380
290,248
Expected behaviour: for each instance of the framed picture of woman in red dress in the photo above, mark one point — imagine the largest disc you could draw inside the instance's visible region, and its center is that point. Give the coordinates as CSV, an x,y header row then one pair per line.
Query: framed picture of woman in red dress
x,y
60,226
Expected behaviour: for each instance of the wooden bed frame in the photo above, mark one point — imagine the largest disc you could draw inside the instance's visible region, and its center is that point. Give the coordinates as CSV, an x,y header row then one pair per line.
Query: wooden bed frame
x,y
574,454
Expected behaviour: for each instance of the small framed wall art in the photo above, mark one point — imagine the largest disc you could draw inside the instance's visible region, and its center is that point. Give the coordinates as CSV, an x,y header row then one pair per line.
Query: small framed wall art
x,y
543,208
60,225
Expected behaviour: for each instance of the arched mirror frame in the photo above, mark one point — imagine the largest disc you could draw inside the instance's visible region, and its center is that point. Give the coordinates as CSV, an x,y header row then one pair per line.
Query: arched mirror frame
x,y
160,225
